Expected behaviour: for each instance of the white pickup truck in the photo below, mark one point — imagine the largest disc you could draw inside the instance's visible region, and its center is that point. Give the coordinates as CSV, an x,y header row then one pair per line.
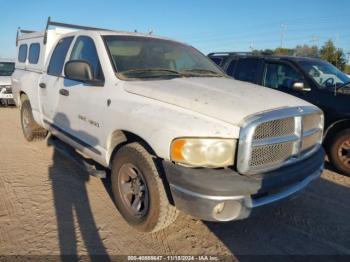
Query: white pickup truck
x,y
175,131
6,69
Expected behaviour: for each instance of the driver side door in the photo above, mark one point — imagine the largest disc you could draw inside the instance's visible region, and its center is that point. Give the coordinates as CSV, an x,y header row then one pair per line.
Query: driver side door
x,y
83,102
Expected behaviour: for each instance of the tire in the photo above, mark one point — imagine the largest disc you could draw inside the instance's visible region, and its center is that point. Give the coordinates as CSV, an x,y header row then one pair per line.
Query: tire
x,y
31,130
135,176
339,151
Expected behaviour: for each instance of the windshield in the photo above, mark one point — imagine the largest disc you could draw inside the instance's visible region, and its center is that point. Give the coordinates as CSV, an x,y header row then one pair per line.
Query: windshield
x,y
325,74
143,57
6,68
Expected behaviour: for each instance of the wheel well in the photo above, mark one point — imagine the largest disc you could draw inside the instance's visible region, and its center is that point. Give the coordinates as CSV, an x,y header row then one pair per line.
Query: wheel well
x,y
22,96
334,129
120,138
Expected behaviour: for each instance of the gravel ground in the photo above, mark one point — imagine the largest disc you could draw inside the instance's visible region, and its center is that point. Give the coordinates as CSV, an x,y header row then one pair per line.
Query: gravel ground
x,y
50,207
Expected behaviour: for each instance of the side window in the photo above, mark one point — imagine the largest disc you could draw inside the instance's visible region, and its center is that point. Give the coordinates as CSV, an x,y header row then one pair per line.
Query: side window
x,y
246,70
85,49
217,60
22,53
280,76
231,68
34,53
58,56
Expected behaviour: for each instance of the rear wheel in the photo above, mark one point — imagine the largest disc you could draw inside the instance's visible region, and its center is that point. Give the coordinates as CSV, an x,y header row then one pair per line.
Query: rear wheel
x,y
31,130
340,151
139,191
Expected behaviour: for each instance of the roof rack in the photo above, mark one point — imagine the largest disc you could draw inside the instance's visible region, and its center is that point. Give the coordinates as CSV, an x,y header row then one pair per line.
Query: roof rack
x,y
240,53
58,24
230,53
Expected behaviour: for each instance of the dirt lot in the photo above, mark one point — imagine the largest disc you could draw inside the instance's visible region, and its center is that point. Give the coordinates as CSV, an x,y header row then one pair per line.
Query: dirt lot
x,y
48,206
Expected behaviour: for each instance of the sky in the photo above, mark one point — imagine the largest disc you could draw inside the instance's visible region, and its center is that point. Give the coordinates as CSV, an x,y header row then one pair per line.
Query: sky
x,y
209,25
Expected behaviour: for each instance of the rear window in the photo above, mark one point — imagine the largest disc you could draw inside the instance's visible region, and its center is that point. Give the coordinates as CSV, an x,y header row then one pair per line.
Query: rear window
x,y
22,53
59,56
247,69
34,53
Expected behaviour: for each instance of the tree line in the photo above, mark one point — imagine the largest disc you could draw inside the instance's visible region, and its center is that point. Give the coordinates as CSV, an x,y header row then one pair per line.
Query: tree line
x,y
328,52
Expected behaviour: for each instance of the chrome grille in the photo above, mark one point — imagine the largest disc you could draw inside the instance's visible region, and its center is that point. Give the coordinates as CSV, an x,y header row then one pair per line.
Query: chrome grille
x,y
310,140
275,128
311,121
273,139
272,154
6,89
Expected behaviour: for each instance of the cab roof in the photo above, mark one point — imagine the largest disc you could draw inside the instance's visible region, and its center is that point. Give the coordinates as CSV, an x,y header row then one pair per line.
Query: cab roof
x,y
264,55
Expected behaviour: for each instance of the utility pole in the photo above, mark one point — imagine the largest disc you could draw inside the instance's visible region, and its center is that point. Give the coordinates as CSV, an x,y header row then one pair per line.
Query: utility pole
x,y
314,40
283,32
251,47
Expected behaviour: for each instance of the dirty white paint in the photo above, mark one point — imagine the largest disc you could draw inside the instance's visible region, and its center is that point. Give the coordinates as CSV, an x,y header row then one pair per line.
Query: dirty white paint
x,y
156,111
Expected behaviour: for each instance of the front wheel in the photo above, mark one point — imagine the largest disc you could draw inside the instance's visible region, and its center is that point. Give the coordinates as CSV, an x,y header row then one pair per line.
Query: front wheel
x,y
340,151
138,190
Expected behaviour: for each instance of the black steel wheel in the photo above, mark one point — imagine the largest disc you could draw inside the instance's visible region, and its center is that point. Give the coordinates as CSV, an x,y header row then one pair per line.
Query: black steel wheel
x,y
138,190
133,189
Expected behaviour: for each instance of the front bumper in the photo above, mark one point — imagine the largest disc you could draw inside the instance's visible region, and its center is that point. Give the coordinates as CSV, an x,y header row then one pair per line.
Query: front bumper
x,y
224,195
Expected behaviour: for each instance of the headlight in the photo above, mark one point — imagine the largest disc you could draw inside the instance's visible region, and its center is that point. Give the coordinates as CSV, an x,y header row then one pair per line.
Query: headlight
x,y
203,152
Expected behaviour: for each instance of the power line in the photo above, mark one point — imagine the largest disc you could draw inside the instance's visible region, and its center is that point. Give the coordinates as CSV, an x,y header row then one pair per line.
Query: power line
x,y
283,32
291,24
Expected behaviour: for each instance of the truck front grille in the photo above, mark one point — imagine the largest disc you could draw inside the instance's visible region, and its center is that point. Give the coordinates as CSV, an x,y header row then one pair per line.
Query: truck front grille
x,y
272,154
276,138
275,128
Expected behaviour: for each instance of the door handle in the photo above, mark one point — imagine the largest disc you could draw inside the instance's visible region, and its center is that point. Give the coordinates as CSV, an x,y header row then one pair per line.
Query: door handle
x,y
42,85
64,92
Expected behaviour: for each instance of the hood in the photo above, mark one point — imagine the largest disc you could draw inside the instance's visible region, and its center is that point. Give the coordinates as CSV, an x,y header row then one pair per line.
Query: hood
x,y
221,98
5,81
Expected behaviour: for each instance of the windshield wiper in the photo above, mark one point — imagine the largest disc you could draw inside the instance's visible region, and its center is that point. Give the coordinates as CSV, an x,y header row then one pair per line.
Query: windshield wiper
x,y
163,72
152,72
204,72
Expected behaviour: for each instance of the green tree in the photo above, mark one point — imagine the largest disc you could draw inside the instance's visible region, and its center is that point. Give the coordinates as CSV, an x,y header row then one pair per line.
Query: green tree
x,y
306,51
333,55
284,51
347,69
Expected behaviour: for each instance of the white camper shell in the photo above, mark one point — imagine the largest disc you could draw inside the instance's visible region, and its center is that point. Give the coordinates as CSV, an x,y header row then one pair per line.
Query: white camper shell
x,y
29,42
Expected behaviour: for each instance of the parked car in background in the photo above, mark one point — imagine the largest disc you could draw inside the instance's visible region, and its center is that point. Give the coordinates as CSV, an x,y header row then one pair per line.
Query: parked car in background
x,y
6,69
313,80
175,131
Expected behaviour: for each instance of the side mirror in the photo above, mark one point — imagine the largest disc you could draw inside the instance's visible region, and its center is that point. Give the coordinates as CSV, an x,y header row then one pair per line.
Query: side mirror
x,y
300,87
79,70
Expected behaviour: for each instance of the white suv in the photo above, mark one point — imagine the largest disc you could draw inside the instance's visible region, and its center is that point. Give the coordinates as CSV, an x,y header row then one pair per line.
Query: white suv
x,y
175,131
6,69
